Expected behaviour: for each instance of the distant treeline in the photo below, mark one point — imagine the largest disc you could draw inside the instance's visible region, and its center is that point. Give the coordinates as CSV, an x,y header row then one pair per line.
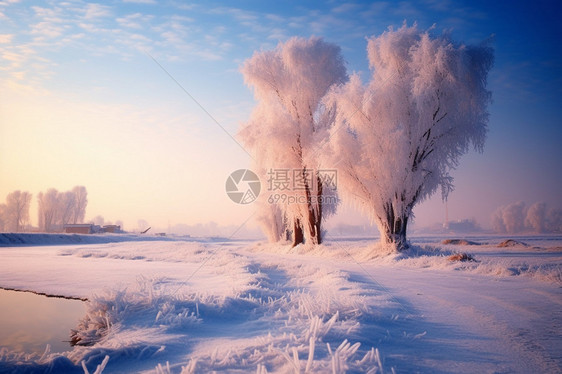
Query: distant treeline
x,y
517,217
55,209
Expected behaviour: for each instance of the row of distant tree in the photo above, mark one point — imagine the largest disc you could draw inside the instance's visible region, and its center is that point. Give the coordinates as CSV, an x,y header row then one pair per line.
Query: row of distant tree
x,y
14,214
517,217
55,209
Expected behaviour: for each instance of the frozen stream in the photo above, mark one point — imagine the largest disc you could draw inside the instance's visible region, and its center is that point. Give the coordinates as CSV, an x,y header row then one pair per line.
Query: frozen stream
x,y
28,322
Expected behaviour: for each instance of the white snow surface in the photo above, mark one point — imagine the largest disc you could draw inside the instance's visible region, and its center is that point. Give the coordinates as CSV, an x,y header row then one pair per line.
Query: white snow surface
x,y
195,306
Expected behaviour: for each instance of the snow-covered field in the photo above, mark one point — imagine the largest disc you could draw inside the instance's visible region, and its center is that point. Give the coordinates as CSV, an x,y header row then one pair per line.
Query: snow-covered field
x,y
186,305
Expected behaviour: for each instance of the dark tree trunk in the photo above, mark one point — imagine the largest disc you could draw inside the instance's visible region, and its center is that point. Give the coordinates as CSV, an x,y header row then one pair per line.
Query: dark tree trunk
x,y
316,216
319,218
394,228
310,229
298,233
286,234
396,235
314,234
314,231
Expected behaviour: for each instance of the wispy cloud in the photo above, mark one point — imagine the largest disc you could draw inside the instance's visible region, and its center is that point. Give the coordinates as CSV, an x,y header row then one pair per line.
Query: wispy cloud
x,y
152,2
12,57
97,11
46,30
135,21
237,13
346,8
175,32
8,2
6,38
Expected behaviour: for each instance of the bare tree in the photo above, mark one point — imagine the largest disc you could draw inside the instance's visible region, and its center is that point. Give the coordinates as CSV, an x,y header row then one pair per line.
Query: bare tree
x,y
80,204
17,210
396,139
66,201
57,209
49,210
287,123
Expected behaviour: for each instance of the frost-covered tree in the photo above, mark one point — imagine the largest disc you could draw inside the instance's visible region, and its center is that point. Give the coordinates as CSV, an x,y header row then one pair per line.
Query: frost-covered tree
x,y
497,220
16,210
80,204
396,139
57,209
49,210
536,217
514,217
542,218
66,201
285,127
273,221
509,218
554,220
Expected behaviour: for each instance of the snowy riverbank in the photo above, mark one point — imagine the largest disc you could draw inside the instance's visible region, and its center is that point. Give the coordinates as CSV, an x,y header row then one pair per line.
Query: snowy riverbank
x,y
249,307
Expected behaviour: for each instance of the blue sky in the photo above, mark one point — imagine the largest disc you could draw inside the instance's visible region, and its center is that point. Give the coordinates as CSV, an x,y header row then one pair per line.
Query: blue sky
x,y
83,103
